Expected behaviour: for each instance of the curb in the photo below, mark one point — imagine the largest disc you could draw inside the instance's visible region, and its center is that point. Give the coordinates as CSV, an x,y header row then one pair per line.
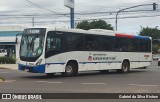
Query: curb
x,y
9,66
2,79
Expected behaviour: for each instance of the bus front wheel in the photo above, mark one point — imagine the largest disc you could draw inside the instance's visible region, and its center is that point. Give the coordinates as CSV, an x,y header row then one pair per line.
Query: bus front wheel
x,y
70,70
125,67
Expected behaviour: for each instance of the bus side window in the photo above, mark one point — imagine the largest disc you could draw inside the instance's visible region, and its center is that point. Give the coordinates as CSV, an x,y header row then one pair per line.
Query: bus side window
x,y
144,45
91,42
88,45
74,42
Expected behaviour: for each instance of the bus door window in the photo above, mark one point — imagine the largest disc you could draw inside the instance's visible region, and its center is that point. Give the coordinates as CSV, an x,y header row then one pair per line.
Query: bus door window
x,y
53,44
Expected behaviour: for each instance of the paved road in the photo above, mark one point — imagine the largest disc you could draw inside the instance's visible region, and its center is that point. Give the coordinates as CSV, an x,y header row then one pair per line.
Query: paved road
x,y
137,81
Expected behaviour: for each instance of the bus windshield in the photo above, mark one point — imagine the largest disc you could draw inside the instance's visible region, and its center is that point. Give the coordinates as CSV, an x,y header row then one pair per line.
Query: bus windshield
x,y
31,46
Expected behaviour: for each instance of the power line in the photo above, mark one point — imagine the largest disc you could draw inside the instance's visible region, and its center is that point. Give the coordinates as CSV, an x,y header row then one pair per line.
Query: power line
x,y
142,16
39,6
112,12
109,18
44,15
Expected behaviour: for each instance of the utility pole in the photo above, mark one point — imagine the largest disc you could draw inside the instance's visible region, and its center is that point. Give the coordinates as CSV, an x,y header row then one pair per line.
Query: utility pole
x,y
70,4
32,21
72,17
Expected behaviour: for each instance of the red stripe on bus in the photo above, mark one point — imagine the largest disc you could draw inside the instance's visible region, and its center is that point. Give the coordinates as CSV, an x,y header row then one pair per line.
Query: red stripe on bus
x,y
124,35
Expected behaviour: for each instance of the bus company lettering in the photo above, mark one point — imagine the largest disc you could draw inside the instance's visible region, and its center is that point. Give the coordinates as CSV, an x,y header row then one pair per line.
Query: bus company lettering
x,y
90,58
97,57
146,56
104,58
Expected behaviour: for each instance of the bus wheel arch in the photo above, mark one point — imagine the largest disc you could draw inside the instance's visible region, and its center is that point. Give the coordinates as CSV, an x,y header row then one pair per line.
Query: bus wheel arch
x,y
125,66
71,68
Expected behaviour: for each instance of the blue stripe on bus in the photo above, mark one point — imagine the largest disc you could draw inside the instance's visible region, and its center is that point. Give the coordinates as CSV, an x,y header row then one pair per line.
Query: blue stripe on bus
x,y
96,62
140,61
141,37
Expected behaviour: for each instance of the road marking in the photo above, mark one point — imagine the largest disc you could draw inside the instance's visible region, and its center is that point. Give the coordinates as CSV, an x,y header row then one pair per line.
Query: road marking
x,y
143,85
22,72
41,81
50,82
55,82
93,83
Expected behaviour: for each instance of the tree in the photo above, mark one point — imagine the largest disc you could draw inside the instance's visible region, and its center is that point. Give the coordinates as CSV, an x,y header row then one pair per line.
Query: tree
x,y
99,24
154,33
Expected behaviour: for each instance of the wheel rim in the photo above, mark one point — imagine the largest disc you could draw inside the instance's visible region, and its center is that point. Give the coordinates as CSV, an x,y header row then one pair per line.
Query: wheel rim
x,y
125,67
69,69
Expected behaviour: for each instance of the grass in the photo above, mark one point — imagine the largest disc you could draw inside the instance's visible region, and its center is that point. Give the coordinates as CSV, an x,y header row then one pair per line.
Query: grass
x,y
2,79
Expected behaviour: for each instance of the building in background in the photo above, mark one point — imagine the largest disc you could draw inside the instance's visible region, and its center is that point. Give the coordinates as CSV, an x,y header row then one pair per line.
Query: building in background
x,y
10,39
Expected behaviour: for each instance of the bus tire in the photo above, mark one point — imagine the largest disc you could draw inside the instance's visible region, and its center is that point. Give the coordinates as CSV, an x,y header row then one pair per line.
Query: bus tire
x,y
125,67
70,70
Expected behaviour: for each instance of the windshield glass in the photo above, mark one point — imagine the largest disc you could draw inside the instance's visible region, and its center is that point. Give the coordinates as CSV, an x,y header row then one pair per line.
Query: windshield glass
x,y
32,44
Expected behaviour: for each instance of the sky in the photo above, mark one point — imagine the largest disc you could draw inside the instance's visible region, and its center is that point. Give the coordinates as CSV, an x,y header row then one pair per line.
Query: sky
x,y
54,13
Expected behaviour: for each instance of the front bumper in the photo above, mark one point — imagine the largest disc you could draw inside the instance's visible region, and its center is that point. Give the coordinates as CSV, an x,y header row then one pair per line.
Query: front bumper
x,y
32,69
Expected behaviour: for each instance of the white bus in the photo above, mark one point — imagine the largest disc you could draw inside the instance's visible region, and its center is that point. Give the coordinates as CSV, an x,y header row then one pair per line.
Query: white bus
x,y
69,51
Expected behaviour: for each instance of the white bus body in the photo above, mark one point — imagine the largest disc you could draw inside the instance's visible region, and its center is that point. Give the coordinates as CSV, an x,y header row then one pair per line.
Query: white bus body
x,y
72,55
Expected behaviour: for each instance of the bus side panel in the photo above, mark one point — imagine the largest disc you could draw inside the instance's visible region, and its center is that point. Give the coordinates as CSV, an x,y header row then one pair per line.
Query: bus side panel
x,y
53,68
82,67
89,66
95,66
107,66
145,59
53,65
133,64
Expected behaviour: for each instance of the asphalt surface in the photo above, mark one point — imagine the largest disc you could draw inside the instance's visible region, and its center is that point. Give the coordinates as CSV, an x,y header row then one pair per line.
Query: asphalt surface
x,y
137,81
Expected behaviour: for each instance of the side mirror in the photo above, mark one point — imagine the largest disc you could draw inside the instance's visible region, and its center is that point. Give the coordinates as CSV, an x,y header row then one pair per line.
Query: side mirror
x,y
17,37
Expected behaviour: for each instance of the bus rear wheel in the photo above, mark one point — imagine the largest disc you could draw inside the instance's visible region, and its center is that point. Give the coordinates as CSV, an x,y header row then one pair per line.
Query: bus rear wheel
x,y
70,70
125,67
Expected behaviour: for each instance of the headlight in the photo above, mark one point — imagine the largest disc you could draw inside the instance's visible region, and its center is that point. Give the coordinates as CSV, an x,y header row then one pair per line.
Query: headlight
x,y
39,62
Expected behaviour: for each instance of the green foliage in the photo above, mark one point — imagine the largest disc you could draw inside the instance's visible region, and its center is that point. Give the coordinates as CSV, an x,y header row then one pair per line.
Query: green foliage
x,y
99,24
154,33
7,60
155,47
2,79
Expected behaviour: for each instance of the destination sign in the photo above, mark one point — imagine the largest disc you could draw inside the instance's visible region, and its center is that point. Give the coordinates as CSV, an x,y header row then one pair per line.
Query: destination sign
x,y
34,31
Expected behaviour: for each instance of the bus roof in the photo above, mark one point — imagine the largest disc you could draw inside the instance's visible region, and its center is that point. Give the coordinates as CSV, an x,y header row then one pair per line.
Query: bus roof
x,y
96,32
